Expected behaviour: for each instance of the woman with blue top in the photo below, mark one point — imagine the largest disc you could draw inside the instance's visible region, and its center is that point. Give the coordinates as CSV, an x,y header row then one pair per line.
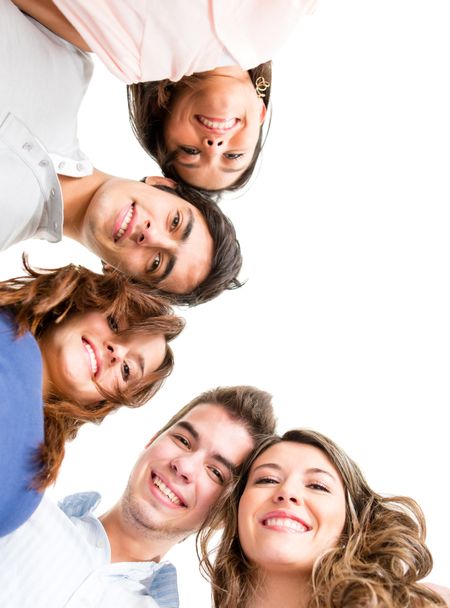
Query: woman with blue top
x,y
74,346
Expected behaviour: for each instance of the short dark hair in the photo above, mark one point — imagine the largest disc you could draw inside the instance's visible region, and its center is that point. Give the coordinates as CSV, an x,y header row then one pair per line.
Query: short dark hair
x,y
247,405
149,106
227,259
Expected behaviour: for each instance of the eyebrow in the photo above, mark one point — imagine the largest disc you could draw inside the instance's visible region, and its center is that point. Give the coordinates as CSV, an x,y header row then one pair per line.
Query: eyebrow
x,y
173,258
188,427
273,465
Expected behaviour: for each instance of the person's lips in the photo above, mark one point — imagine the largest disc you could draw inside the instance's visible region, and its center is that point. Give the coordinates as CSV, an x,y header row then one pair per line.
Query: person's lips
x,y
124,222
94,361
217,125
284,521
162,489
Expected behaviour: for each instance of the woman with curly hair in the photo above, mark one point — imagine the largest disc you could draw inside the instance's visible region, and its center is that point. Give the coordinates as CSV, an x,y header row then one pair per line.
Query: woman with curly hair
x,y
303,529
204,130
74,346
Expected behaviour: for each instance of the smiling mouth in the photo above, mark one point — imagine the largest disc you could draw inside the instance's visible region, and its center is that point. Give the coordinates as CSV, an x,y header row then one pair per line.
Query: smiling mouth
x,y
122,228
167,492
285,523
92,356
217,124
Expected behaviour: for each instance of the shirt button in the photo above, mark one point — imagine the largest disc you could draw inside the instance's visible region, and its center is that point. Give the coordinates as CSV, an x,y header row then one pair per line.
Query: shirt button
x,y
55,225
61,165
52,192
80,166
43,163
27,146
99,544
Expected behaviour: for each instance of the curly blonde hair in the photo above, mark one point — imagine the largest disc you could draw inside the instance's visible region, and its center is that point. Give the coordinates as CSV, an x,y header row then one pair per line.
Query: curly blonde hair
x,y
42,298
376,563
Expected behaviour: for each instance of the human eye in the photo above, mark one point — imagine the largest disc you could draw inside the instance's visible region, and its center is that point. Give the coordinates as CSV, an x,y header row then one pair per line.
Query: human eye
x,y
217,474
126,371
175,221
183,440
318,485
265,480
233,155
112,323
156,263
190,150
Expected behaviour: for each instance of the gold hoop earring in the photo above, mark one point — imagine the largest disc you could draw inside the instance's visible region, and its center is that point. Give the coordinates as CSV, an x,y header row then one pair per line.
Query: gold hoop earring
x,y
261,85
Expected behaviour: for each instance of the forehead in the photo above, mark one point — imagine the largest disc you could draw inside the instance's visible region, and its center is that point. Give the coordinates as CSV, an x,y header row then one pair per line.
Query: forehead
x,y
217,432
292,456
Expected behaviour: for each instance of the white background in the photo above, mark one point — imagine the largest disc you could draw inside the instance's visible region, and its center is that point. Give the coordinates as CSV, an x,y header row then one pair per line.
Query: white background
x,y
345,234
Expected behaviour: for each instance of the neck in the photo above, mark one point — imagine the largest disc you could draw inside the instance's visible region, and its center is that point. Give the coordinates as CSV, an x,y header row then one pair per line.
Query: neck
x,y
290,590
77,193
130,541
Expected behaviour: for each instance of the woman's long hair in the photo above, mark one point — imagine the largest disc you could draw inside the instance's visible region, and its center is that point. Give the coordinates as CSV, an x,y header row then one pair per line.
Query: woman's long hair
x,y
149,106
376,563
41,299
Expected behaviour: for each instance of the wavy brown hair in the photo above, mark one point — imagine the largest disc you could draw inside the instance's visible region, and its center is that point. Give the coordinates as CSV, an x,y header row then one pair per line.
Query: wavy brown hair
x,y
149,106
42,298
376,563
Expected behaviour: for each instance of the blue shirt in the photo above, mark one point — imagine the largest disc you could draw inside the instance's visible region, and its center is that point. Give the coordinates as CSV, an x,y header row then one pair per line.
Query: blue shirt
x,y
21,423
60,558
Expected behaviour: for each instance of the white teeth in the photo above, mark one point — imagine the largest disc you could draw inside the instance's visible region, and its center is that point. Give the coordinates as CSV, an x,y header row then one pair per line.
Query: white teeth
x,y
285,522
166,491
215,124
92,357
125,223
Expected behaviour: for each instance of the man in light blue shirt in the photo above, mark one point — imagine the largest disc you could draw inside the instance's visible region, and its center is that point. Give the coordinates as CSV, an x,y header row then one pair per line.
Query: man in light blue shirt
x,y
64,556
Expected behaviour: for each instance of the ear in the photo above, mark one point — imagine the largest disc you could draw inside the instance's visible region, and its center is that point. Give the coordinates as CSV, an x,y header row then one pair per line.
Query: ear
x,y
107,267
158,180
262,114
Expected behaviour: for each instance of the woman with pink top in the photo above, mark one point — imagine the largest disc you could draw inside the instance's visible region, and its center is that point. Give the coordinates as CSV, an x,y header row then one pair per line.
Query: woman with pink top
x,y
198,74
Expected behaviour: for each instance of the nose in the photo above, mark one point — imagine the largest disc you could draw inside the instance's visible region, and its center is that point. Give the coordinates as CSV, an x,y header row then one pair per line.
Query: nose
x,y
152,236
184,467
115,353
214,142
285,495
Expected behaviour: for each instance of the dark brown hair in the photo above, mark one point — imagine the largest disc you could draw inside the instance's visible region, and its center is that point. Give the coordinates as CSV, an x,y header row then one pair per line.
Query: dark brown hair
x,y
149,106
227,259
377,562
40,299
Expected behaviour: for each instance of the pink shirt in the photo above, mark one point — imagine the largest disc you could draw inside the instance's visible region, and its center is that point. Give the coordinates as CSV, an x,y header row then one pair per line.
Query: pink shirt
x,y
140,40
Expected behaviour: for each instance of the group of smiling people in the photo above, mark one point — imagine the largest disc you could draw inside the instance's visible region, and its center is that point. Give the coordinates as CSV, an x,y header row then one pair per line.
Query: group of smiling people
x,y
299,524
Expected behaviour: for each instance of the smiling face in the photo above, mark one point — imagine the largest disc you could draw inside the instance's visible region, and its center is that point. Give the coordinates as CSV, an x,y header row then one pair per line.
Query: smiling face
x,y
183,471
86,349
292,509
150,234
213,127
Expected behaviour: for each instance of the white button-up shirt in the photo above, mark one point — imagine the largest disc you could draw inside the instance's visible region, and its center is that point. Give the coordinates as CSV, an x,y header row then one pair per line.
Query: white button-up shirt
x,y
42,83
60,558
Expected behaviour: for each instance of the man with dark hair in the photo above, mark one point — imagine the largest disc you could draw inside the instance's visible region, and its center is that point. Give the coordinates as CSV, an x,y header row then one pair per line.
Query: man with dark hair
x,y
177,241
65,556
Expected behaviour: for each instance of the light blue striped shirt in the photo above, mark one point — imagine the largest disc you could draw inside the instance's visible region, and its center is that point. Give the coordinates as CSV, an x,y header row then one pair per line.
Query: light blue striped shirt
x,y
60,558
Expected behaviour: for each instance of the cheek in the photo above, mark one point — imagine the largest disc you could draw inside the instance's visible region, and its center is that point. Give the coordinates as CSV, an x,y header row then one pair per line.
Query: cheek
x,y
245,517
333,518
